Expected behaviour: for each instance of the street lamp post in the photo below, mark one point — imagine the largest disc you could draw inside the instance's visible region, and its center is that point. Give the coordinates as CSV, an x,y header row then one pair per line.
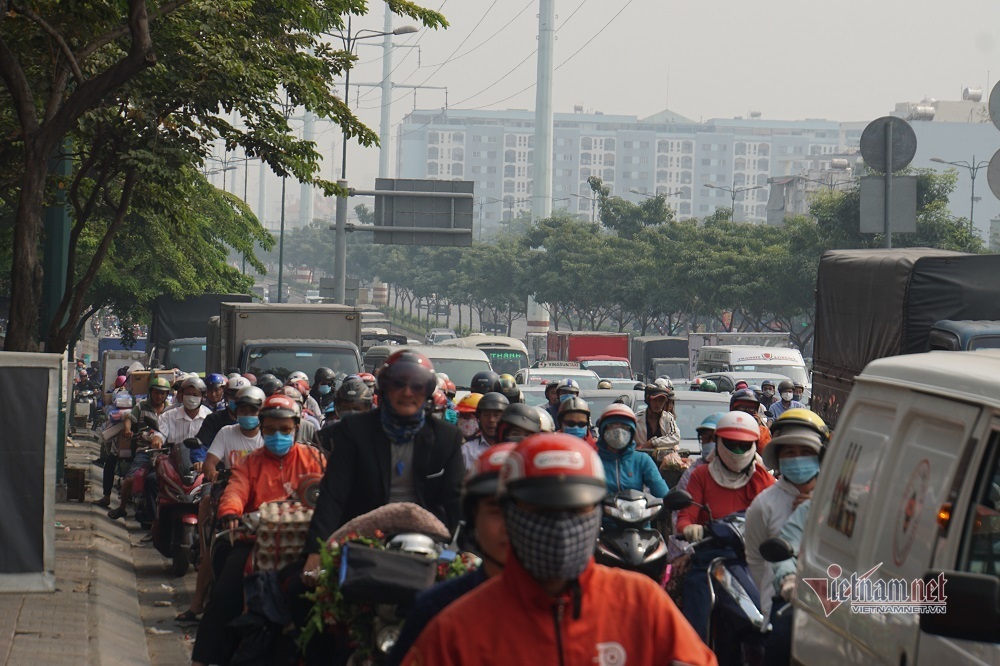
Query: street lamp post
x,y
973,168
483,201
733,191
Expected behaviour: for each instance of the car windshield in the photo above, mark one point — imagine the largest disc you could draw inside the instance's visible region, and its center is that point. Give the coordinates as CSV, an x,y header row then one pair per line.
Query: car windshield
x,y
984,342
609,369
460,370
690,414
672,369
586,382
794,372
282,361
506,361
189,357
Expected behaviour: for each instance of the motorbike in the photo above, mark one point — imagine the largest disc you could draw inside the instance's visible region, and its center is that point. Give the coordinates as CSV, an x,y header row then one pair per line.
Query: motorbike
x,y
627,541
736,630
84,403
180,487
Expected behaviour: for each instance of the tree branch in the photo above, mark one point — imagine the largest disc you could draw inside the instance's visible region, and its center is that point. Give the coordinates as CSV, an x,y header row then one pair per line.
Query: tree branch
x,y
19,89
122,30
54,34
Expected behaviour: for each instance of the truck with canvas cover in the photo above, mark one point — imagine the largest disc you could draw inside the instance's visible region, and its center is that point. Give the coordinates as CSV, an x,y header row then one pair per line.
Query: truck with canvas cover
x,y
572,345
177,318
656,355
872,304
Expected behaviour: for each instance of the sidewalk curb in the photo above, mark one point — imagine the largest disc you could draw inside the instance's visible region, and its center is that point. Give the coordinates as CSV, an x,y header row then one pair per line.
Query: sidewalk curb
x,y
117,631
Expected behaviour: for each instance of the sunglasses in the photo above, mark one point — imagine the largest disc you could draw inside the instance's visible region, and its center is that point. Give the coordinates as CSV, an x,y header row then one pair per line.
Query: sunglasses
x,y
398,384
575,424
736,446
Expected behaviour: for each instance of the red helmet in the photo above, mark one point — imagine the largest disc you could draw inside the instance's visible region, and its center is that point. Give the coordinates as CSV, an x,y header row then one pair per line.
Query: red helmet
x,y
251,377
406,365
368,378
738,426
440,401
120,381
302,385
449,387
619,411
280,406
553,470
483,478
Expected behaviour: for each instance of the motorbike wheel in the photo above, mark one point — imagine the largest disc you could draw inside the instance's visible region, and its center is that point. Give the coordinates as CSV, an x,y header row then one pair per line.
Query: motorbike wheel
x,y
181,561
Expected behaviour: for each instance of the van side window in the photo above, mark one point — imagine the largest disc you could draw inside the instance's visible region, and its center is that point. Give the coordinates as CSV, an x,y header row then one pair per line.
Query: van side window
x,y
981,540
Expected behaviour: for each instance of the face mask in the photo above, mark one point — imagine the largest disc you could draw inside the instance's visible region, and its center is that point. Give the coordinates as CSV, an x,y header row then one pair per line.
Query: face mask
x,y
707,449
799,470
565,396
192,402
618,438
248,422
324,389
736,462
576,431
279,443
469,427
231,405
787,396
553,546
768,392
451,416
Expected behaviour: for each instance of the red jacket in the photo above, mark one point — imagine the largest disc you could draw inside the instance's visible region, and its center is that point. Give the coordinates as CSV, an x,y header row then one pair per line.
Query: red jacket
x,y
264,477
625,618
723,501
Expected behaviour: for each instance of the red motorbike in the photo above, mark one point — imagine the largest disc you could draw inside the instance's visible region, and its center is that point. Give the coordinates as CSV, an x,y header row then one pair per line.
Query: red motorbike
x,y
180,487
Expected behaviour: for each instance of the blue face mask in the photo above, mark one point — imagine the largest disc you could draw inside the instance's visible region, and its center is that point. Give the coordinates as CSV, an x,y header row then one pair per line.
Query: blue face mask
x,y
279,443
324,389
231,404
707,449
576,431
799,470
248,422
565,396
451,416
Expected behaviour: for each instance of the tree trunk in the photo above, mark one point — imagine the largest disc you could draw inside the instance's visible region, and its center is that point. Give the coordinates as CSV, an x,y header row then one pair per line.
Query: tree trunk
x,y
26,268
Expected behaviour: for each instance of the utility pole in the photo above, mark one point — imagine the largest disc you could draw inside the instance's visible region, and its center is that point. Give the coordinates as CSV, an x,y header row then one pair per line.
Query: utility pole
x,y
542,185
306,189
385,118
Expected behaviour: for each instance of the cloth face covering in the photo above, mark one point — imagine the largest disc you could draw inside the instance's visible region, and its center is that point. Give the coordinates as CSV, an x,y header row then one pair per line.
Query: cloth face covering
x,y
552,546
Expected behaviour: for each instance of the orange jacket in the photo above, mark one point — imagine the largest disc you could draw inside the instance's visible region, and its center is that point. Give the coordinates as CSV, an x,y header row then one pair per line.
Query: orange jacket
x,y
625,618
264,477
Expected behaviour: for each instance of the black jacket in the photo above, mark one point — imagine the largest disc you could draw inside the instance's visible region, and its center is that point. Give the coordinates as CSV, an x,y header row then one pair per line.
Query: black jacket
x,y
358,473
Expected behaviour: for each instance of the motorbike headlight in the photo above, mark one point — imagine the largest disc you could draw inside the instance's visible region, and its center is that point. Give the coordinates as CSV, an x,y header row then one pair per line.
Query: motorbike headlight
x,y
386,638
631,510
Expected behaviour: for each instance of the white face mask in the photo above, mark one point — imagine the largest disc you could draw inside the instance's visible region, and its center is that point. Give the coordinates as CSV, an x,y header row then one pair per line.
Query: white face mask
x,y
768,392
192,402
469,427
787,396
618,438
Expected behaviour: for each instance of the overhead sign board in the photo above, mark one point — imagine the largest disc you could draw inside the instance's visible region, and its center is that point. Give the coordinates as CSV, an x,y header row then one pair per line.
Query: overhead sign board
x,y
423,212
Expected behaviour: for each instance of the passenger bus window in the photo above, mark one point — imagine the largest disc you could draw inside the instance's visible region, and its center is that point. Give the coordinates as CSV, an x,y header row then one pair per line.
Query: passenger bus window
x,y
981,547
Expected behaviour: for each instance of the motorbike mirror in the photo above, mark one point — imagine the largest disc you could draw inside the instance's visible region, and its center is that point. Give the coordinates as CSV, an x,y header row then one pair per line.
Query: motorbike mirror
x,y
776,549
192,443
220,467
677,500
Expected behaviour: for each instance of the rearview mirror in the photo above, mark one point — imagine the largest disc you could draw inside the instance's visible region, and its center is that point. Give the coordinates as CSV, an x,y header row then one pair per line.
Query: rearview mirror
x,y
972,606
776,549
677,500
192,443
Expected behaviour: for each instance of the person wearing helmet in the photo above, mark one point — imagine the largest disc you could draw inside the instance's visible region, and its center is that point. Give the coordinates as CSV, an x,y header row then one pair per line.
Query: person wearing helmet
x,y
224,417
767,395
468,422
624,467
745,400
706,437
300,382
726,485
394,453
552,400
564,389
309,426
484,382
250,377
489,410
551,597
517,422
215,387
657,425
709,386
510,390
798,390
450,389
353,397
269,384
484,532
323,386
741,384
574,419
786,391
605,385
696,383
265,474
795,453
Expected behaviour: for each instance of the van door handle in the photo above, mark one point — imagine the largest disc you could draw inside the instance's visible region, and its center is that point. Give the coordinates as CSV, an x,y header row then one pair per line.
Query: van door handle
x,y
436,475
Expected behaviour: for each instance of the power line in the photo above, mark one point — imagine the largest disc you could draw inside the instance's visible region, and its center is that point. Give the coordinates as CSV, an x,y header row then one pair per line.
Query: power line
x,y
587,43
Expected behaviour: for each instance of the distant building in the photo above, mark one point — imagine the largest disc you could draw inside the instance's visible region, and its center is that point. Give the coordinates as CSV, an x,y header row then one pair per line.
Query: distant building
x,y
994,243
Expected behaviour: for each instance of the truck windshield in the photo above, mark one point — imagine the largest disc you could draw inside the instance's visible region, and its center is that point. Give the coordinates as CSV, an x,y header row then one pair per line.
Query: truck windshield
x,y
608,369
506,361
984,342
460,370
794,372
672,369
189,358
283,361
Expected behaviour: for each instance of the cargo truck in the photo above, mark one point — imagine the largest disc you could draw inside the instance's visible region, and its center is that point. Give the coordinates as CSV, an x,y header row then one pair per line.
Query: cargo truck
x,y
180,320
603,352
281,338
657,355
872,304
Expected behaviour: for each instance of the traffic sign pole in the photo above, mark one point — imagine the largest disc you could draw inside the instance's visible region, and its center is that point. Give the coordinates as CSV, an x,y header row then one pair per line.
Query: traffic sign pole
x,y
888,185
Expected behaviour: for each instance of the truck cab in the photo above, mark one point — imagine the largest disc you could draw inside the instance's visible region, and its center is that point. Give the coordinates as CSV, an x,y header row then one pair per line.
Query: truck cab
x,y
949,335
281,357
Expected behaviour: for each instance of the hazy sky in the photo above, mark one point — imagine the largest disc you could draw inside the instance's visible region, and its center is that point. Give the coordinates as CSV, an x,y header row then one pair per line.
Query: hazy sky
x,y
789,59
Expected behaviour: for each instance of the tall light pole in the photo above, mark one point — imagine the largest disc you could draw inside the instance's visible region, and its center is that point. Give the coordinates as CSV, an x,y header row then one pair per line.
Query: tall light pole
x,y
286,110
973,168
483,201
593,203
733,191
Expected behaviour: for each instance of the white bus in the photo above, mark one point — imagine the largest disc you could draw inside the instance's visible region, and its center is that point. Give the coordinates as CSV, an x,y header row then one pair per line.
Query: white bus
x,y
507,355
744,358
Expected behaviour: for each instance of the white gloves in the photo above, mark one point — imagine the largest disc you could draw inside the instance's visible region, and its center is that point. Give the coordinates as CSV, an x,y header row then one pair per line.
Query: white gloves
x,y
693,533
788,587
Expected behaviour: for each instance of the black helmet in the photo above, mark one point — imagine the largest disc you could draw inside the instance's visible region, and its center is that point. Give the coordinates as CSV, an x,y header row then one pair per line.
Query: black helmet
x,y
269,384
324,375
785,385
520,416
496,402
354,389
509,389
743,395
485,381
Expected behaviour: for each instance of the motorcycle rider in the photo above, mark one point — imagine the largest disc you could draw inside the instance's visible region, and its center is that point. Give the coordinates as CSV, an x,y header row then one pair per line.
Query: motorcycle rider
x,y
484,522
353,397
489,410
468,422
225,416
485,382
798,390
794,451
308,426
269,384
518,421
727,484
266,474
574,419
564,390
745,400
786,390
657,425
768,397
215,386
625,468
323,386
149,409
552,400
551,597
510,390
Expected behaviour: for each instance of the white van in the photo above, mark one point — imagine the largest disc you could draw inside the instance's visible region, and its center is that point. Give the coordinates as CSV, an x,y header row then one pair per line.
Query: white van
x,y
908,503
507,355
760,360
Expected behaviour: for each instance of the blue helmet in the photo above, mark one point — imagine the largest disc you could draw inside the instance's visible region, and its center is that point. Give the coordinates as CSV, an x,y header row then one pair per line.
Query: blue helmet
x,y
709,422
215,379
